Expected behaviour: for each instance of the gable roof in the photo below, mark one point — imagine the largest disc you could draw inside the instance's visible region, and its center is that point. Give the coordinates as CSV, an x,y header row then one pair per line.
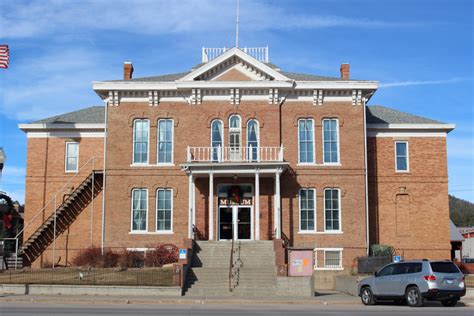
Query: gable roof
x,y
455,235
90,115
377,114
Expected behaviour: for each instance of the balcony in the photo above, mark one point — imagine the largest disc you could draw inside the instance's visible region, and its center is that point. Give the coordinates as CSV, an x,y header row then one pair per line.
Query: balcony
x,y
234,154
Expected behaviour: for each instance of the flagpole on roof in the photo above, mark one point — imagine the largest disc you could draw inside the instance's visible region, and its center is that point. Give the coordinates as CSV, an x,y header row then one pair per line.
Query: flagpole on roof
x,y
237,26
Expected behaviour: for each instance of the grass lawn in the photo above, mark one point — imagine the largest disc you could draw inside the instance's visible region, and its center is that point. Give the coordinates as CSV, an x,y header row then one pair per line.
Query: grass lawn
x,y
111,276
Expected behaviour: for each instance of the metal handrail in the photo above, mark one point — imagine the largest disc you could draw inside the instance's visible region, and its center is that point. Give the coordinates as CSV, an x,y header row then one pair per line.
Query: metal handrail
x,y
231,265
57,193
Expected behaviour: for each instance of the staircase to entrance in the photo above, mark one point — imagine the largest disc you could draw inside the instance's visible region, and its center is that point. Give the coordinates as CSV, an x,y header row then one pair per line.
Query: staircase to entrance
x,y
256,274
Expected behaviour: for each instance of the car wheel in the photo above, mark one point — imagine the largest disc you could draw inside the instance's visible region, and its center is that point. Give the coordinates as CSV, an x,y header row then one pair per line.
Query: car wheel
x,y
413,297
450,302
366,296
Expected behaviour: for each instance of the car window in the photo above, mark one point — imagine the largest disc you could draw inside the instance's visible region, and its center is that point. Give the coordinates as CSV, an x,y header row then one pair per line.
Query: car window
x,y
401,268
444,267
414,267
388,270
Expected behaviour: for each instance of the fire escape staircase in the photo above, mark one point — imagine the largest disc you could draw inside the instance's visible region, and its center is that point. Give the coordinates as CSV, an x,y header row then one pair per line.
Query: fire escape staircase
x,y
64,215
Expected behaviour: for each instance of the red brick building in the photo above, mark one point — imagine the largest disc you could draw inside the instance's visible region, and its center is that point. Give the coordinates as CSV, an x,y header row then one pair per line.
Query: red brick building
x,y
236,148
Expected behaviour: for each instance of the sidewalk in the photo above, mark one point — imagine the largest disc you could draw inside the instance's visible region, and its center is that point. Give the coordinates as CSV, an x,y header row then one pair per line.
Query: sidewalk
x,y
327,298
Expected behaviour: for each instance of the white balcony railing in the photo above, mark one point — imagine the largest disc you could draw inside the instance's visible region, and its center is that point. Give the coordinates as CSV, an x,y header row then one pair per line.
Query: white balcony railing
x,y
259,53
235,154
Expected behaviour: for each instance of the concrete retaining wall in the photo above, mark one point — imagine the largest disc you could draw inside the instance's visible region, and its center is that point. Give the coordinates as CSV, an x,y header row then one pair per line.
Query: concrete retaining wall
x,y
41,289
326,279
295,286
347,284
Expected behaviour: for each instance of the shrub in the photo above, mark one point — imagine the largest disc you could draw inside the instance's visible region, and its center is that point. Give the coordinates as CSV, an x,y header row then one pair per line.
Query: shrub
x,y
161,255
382,250
131,259
92,257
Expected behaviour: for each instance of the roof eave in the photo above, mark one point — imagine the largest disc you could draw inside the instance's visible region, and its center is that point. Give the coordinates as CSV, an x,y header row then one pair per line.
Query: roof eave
x,y
413,126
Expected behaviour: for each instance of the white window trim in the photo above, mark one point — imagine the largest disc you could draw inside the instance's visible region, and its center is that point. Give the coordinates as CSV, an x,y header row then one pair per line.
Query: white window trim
x,y
333,231
258,138
223,135
314,145
171,163
315,250
132,231
338,162
133,145
309,231
408,156
164,232
66,170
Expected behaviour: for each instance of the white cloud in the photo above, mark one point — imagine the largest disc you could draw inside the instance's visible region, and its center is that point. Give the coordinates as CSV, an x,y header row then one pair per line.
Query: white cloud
x,y
20,19
57,79
421,82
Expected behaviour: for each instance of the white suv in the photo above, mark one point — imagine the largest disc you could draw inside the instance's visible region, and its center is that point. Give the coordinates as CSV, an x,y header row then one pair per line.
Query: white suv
x,y
414,282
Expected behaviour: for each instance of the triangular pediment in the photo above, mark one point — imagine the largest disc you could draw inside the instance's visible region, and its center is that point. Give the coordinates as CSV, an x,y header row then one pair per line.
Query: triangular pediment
x,y
234,65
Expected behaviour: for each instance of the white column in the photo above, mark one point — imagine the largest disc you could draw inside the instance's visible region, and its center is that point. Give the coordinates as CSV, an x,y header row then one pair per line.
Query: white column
x,y
257,205
194,201
191,206
211,205
277,206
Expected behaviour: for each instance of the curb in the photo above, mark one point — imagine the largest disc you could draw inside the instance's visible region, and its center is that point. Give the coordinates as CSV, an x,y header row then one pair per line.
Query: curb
x,y
204,301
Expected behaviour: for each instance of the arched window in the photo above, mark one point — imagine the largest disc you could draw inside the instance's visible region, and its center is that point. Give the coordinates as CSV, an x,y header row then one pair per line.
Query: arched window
x,y
217,140
235,130
252,140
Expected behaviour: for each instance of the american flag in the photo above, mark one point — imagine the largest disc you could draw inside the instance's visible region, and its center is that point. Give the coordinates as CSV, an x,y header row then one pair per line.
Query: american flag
x,y
4,56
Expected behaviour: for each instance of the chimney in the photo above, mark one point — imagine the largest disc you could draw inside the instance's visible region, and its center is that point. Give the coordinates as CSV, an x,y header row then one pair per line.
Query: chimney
x,y
127,70
345,71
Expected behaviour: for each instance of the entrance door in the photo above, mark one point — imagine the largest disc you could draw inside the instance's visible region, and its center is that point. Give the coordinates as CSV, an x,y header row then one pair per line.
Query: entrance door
x,y
226,223
244,223
235,222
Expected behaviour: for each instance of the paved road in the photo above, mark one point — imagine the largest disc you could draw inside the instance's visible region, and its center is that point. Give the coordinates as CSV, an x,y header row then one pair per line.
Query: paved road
x,y
19,309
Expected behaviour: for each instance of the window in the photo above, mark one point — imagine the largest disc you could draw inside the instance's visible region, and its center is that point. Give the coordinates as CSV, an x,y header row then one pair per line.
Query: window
x,y
388,270
164,208
72,157
217,140
444,267
331,141
307,210
407,268
165,141
306,141
139,209
332,209
401,156
252,140
234,137
140,141
332,258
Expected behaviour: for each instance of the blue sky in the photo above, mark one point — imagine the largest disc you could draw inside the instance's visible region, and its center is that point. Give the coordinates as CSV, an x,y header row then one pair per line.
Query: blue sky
x,y
420,51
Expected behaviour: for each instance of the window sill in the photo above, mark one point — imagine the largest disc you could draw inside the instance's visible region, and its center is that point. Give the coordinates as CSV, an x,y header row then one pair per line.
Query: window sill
x,y
318,165
328,269
402,171
71,171
319,233
333,232
155,165
168,232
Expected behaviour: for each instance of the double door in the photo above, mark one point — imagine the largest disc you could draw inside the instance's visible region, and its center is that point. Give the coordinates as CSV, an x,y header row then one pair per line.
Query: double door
x,y
235,222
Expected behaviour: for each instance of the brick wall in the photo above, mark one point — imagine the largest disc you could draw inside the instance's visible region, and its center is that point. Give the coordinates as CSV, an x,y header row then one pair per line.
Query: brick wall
x,y
410,211
45,176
